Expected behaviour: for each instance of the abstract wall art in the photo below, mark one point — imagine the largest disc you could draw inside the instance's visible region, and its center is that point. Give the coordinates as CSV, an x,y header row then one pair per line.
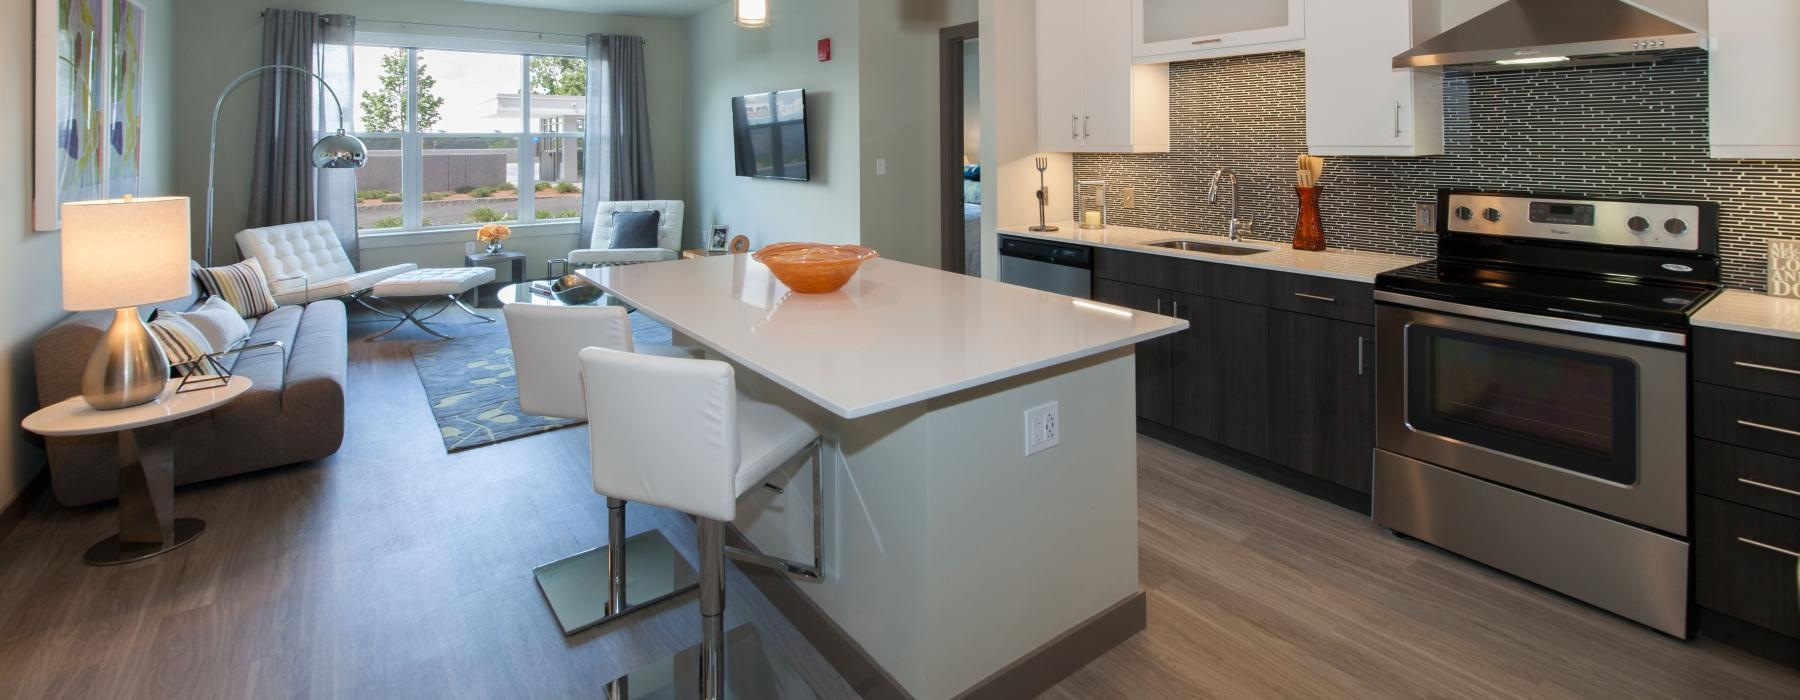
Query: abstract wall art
x,y
88,117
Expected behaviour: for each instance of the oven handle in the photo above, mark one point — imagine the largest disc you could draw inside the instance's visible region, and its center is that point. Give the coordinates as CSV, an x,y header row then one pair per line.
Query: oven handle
x,y
1524,319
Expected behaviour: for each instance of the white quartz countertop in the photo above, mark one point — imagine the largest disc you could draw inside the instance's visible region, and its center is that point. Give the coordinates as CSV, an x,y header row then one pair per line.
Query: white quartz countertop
x,y
1749,312
897,334
1353,265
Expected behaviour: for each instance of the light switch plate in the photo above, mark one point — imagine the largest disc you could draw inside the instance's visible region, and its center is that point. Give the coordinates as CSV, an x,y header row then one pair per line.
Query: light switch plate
x,y
1043,428
880,166
1425,217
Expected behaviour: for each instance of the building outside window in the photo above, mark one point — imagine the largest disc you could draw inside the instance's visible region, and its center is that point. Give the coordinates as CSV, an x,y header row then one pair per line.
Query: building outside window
x,y
460,138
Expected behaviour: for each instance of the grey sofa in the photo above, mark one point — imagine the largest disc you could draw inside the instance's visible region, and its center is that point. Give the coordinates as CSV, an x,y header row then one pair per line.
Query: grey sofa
x,y
293,412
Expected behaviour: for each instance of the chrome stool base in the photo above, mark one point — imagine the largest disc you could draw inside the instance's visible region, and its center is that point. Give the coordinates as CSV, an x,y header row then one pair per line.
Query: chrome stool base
x,y
750,673
576,586
411,315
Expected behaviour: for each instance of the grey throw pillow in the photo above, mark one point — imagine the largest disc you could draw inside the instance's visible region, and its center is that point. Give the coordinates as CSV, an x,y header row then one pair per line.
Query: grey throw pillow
x,y
635,229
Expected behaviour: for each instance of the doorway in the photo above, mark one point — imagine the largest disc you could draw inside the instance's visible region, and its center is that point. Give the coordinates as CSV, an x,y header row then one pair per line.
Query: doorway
x,y
959,80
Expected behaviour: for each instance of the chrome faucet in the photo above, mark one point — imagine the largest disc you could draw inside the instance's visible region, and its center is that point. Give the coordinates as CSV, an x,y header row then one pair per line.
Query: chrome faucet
x,y
1237,227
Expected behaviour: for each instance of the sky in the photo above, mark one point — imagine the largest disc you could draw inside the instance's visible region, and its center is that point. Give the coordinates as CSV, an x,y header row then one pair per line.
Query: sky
x,y
466,80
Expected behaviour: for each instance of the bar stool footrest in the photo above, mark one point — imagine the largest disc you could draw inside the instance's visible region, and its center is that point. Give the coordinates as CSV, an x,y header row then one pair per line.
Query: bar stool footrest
x,y
751,672
575,586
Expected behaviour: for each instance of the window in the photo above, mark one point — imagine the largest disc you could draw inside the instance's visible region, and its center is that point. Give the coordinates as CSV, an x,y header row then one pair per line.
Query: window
x,y
460,138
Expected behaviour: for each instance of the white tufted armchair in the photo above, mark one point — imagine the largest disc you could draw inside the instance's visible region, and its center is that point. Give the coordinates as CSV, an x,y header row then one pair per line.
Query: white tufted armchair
x,y
668,235
305,262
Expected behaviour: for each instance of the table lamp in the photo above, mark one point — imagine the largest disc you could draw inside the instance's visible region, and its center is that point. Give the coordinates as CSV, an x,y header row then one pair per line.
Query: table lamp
x,y
117,254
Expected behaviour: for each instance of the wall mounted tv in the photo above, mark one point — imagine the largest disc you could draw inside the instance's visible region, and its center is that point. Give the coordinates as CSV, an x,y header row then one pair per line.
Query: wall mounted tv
x,y
769,131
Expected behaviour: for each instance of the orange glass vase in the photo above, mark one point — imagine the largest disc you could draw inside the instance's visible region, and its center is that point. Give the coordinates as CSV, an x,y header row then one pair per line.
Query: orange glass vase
x,y
1309,234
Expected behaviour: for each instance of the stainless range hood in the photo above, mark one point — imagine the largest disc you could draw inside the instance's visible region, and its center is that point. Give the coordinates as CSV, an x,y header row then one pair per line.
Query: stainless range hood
x,y
1549,33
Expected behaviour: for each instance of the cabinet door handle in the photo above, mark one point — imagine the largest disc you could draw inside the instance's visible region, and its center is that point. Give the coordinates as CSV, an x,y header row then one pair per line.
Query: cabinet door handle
x,y
1203,42
1084,125
1770,428
1396,119
1771,487
1767,368
1770,547
1315,297
1159,307
1361,365
1175,309
1073,134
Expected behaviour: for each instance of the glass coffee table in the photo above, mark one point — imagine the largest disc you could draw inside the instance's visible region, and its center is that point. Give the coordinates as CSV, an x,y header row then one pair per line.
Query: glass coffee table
x,y
521,293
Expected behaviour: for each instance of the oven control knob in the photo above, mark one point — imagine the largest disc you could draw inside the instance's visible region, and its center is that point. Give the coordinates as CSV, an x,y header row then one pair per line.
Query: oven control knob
x,y
1465,213
1491,214
1675,226
1638,224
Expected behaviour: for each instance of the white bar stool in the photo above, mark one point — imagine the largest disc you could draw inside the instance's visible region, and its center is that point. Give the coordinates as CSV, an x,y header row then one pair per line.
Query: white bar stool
x,y
730,446
634,572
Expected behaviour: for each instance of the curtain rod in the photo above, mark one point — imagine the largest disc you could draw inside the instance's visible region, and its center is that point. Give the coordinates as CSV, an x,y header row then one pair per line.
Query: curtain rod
x,y
265,13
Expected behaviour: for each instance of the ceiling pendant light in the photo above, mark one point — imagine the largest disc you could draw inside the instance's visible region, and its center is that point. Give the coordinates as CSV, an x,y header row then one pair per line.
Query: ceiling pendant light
x,y
751,13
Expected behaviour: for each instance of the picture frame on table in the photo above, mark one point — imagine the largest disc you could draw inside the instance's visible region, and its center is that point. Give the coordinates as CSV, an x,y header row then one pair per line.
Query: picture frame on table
x,y
718,238
88,114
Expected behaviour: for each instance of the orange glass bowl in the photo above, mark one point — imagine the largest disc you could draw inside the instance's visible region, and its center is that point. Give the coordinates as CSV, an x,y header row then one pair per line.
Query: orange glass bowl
x,y
814,268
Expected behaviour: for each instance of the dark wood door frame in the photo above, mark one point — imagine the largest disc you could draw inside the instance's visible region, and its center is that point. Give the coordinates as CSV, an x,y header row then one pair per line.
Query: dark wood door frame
x,y
950,138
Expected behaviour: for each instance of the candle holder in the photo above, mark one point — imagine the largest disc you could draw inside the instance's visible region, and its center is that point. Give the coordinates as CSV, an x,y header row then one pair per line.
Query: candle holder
x,y
1309,233
1090,196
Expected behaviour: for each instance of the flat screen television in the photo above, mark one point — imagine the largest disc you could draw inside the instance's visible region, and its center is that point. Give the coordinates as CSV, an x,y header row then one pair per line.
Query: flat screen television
x,y
769,131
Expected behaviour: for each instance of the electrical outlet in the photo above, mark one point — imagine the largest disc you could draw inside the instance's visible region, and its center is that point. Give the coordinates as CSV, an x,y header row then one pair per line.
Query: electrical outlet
x,y
880,166
1128,197
1043,428
1425,217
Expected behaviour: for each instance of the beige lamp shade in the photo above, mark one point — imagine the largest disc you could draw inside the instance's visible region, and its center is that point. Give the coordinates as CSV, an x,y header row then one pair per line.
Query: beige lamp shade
x,y
124,252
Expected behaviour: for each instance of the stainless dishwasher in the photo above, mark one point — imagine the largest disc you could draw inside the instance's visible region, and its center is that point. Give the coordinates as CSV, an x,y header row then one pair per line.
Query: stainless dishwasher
x,y
1052,267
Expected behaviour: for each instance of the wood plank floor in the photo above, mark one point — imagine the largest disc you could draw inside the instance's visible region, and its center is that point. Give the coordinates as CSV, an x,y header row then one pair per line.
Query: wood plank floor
x,y
395,570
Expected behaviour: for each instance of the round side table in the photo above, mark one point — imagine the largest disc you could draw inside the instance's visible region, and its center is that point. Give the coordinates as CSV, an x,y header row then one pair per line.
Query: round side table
x,y
147,522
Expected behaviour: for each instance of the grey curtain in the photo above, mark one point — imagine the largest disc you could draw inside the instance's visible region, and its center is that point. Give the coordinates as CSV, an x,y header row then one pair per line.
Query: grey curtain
x,y
618,125
337,187
281,179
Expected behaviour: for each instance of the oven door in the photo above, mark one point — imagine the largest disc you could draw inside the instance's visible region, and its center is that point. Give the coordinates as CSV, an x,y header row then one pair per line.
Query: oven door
x,y
1590,421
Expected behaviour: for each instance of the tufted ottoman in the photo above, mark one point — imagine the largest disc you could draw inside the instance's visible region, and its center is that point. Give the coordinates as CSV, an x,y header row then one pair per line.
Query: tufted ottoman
x,y
411,291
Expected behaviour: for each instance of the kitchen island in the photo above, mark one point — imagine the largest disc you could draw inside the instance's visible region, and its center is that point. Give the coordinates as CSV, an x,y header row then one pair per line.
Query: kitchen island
x,y
953,560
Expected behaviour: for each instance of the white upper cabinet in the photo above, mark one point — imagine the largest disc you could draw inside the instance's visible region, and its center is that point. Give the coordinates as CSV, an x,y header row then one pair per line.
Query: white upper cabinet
x,y
1356,103
1091,99
1754,69
1179,30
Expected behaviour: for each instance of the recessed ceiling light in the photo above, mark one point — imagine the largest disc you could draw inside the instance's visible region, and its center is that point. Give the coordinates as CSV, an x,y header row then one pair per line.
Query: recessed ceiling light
x,y
751,13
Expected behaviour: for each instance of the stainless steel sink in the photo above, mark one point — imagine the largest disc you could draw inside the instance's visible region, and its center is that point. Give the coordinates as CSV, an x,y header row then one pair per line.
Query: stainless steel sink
x,y
1209,247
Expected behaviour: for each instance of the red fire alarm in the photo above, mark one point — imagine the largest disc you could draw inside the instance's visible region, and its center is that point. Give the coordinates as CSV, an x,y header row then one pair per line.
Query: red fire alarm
x,y
824,49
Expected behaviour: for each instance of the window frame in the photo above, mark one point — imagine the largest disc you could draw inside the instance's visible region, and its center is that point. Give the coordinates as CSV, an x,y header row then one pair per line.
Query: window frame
x,y
412,140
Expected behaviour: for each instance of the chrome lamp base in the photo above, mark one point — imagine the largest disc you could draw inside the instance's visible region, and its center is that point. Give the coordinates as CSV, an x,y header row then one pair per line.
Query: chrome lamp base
x,y
128,367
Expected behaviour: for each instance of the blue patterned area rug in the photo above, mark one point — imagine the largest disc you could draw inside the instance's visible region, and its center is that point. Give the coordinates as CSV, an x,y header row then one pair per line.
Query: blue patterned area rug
x,y
474,390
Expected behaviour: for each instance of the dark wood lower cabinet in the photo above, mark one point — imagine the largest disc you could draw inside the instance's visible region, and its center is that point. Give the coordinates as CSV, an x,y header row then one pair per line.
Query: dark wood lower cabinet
x,y
1221,371
1323,397
1155,380
1296,389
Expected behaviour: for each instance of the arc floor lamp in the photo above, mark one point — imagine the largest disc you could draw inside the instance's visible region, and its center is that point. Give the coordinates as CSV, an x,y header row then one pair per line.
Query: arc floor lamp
x,y
334,151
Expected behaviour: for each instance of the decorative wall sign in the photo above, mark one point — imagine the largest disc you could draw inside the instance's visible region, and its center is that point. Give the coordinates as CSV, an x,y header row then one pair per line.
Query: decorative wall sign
x,y
89,112
1784,268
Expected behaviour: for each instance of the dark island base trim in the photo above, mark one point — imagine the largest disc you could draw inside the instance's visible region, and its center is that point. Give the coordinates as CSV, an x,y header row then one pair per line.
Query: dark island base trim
x,y
1335,494
1028,676
1767,644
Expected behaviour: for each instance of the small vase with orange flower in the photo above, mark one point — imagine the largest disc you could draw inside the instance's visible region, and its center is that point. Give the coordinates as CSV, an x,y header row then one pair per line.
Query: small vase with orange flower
x,y
494,235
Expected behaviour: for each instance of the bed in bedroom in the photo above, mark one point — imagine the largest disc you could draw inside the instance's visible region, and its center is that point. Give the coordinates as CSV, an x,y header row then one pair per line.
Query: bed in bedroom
x,y
972,219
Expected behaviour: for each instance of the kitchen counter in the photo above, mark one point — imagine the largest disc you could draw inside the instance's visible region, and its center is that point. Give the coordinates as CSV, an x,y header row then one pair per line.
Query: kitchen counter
x,y
1352,265
1749,312
950,554
897,334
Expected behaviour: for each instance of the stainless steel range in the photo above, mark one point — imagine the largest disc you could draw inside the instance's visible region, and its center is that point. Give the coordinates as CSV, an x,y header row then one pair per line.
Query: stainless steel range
x,y
1532,392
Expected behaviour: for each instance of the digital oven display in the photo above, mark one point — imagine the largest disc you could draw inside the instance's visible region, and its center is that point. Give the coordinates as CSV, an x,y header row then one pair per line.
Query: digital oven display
x,y
1562,213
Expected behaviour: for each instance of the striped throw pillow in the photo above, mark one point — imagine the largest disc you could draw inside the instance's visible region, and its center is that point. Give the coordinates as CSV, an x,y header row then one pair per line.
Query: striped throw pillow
x,y
242,286
183,344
